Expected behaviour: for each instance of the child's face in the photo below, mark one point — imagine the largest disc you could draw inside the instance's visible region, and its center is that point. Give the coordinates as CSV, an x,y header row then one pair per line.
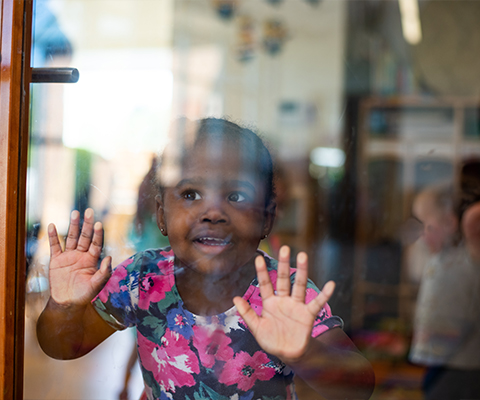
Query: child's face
x,y
214,213
439,226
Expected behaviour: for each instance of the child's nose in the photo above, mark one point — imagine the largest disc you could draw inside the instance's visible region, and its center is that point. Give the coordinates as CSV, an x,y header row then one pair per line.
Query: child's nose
x,y
214,212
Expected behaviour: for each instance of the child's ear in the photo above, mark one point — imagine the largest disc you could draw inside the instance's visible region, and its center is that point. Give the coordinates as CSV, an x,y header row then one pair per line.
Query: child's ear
x,y
270,213
161,223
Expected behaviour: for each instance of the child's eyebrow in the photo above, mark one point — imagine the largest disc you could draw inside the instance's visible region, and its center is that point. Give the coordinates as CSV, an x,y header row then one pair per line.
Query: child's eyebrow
x,y
186,182
229,183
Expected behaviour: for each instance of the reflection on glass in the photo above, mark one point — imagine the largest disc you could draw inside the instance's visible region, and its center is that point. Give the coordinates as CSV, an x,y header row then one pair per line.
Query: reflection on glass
x,y
336,74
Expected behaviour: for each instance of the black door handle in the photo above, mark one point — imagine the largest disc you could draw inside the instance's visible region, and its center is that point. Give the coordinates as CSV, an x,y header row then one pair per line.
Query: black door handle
x,y
55,75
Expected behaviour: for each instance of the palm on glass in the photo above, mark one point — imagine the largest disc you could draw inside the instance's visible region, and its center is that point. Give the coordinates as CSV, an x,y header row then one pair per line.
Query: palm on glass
x,y
74,276
285,326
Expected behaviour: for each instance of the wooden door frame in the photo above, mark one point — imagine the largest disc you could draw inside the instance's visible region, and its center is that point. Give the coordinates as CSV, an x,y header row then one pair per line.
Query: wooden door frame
x,y
15,72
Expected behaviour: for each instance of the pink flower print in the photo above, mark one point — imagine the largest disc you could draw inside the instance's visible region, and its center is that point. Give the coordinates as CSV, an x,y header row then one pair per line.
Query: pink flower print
x,y
113,284
168,255
245,369
152,289
172,362
324,313
212,346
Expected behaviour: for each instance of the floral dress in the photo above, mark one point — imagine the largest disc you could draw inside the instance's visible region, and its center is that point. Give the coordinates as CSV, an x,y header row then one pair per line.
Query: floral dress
x,y
191,357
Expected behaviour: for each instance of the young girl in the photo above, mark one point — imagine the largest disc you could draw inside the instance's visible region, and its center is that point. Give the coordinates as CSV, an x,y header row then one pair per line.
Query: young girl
x,y
215,318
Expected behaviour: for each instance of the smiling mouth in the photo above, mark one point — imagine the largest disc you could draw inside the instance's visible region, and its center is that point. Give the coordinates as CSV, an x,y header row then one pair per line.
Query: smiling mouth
x,y
211,241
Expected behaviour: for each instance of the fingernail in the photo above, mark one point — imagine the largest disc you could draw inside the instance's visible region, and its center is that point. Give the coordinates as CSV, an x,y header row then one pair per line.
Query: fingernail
x,y
88,213
284,251
302,257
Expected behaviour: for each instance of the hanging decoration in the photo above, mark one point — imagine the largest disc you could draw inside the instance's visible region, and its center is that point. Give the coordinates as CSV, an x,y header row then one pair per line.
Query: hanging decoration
x,y
274,36
225,8
246,38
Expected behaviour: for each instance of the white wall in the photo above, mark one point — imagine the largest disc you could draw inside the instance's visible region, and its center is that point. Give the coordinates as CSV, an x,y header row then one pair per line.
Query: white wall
x,y
309,71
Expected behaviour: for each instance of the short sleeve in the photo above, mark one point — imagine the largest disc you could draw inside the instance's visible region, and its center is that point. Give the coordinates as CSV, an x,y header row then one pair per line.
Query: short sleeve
x,y
118,300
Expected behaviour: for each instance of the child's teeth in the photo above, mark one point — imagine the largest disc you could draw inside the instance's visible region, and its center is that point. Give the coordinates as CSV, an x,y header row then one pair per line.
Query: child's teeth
x,y
212,241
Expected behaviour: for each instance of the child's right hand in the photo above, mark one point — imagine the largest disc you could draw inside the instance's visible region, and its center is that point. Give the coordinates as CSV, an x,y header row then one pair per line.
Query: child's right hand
x,y
74,277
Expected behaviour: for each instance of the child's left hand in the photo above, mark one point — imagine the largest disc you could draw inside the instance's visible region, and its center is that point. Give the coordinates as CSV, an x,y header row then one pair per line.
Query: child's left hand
x,y
284,328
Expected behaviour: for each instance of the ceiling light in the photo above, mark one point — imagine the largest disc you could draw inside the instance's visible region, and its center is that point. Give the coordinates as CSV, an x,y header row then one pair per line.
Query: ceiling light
x,y
412,31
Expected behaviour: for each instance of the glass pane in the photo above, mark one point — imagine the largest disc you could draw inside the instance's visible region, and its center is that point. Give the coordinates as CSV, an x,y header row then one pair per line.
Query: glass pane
x,y
363,105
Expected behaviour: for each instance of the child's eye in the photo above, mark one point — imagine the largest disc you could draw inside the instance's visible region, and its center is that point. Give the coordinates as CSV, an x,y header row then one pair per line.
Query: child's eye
x,y
236,197
191,195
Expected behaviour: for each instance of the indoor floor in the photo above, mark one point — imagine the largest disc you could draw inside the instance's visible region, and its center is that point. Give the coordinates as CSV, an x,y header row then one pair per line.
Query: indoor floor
x,y
96,376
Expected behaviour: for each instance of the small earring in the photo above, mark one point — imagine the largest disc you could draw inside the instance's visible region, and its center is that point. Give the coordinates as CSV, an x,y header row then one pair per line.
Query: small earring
x,y
265,236
162,230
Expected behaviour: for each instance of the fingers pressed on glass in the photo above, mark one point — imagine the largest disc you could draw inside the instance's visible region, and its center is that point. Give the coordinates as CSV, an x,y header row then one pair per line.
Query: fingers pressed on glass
x,y
97,240
55,248
318,302
73,231
264,282
87,231
301,277
283,272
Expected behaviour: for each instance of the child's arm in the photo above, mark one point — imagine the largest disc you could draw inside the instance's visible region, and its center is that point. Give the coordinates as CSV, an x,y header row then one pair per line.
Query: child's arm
x,y
69,326
330,363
